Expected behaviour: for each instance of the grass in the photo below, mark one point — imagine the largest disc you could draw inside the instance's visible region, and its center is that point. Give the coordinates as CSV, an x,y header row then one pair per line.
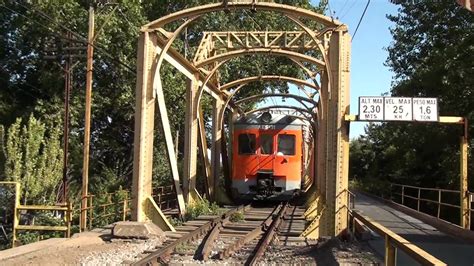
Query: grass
x,y
201,207
236,217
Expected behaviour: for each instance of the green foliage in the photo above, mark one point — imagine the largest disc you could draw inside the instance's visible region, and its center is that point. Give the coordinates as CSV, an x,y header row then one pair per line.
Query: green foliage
x,y
41,218
378,187
201,207
237,217
33,157
33,86
176,221
431,56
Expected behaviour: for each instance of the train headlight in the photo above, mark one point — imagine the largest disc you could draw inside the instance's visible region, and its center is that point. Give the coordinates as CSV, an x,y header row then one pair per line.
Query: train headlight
x,y
266,117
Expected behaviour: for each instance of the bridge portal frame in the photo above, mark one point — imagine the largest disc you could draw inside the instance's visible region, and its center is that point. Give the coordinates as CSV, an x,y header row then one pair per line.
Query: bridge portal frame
x,y
331,159
465,201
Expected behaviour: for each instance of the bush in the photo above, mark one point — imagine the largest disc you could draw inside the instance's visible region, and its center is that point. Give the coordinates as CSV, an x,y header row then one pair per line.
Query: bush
x,y
201,207
374,186
236,217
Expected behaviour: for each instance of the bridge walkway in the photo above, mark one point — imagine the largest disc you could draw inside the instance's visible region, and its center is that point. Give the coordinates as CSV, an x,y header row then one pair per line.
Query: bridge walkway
x,y
451,250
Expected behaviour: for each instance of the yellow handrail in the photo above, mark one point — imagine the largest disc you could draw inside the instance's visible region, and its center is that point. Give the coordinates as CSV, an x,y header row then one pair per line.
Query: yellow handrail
x,y
65,208
393,241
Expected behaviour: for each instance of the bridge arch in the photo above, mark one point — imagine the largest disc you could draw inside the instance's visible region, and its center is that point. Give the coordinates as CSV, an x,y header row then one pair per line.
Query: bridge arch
x,y
266,6
332,42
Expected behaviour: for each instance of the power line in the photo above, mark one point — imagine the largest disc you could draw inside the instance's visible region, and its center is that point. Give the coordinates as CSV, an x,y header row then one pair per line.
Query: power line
x,y
343,6
349,9
360,20
80,37
330,11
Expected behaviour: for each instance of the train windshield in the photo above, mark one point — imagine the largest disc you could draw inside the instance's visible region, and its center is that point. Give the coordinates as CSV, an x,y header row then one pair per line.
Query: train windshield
x,y
247,143
286,144
266,144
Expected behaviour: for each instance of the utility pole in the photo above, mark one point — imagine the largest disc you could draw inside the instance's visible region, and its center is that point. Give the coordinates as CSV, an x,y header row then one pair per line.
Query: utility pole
x,y
87,119
91,37
67,96
64,53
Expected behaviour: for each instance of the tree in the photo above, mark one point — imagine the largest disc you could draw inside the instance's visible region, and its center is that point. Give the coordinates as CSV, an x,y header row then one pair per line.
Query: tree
x,y
31,84
33,157
431,56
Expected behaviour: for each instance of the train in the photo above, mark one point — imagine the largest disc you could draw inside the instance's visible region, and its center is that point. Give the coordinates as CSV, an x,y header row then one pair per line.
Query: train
x,y
267,156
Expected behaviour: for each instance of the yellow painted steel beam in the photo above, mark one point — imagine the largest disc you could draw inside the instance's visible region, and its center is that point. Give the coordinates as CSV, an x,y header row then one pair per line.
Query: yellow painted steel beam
x,y
41,228
283,95
42,208
442,119
463,189
216,42
313,231
191,139
204,156
187,68
154,214
234,5
267,51
451,119
390,253
216,146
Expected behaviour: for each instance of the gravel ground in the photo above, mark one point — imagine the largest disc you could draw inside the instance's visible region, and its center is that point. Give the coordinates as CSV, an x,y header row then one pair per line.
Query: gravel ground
x,y
92,250
332,252
123,251
86,249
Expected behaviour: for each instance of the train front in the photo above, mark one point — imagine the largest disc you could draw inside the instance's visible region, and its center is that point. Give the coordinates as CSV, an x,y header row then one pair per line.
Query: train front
x,y
267,156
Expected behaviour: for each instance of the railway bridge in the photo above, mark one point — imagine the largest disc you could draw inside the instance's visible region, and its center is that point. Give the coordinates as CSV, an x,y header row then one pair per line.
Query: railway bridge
x,y
322,51
320,47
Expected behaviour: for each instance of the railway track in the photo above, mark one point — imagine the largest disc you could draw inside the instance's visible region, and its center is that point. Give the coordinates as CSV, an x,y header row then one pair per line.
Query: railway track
x,y
242,235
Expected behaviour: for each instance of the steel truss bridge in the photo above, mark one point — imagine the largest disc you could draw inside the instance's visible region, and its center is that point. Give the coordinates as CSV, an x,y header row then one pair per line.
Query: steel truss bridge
x,y
321,49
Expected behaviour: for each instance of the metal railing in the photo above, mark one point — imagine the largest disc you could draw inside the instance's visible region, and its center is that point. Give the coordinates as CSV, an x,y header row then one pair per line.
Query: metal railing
x,y
100,207
394,242
165,197
66,210
418,195
109,205
115,206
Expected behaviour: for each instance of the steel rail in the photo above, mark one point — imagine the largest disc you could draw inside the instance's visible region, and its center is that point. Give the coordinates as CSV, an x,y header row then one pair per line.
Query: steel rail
x,y
268,237
159,255
237,245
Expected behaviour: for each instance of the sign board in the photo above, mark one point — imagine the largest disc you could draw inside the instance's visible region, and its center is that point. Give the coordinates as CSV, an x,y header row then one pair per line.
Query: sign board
x,y
425,109
398,109
371,108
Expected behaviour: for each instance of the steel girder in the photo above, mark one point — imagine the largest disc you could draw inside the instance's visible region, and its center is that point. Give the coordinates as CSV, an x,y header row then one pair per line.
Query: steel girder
x,y
240,5
331,140
247,80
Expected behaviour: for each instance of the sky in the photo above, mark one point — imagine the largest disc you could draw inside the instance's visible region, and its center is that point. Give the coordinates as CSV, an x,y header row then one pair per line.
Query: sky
x,y
369,76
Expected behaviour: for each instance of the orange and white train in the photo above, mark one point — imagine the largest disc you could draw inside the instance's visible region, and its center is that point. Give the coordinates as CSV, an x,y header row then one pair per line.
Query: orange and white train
x,y
267,156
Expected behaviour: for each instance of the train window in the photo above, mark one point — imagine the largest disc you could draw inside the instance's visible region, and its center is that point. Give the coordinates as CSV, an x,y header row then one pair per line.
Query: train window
x,y
247,143
286,144
266,144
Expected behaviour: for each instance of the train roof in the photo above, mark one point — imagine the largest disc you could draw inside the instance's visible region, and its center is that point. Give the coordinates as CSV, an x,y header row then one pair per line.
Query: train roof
x,y
276,119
